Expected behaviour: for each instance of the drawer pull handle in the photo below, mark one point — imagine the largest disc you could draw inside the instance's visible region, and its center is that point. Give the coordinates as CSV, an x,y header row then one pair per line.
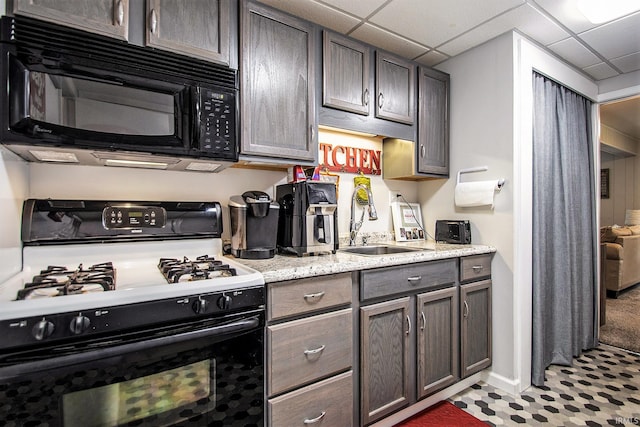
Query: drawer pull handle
x,y
316,419
314,351
414,279
477,268
465,313
314,297
408,325
424,321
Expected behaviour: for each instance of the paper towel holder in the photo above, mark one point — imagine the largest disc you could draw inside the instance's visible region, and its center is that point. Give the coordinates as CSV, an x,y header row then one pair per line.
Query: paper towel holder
x,y
499,185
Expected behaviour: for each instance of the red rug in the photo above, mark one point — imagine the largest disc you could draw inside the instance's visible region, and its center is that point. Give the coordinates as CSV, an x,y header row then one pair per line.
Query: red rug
x,y
442,413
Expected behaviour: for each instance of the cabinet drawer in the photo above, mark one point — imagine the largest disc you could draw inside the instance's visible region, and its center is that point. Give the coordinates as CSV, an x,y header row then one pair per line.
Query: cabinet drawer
x,y
330,402
307,349
307,295
404,278
475,267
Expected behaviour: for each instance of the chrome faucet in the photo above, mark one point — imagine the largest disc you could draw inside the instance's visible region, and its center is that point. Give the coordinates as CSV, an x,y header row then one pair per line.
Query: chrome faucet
x,y
354,226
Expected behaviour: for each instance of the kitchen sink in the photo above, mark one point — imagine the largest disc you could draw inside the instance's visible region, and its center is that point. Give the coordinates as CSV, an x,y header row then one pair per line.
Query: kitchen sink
x,y
379,250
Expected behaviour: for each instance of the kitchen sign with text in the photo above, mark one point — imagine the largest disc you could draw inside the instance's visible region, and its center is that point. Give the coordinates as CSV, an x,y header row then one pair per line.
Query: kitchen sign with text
x,y
340,158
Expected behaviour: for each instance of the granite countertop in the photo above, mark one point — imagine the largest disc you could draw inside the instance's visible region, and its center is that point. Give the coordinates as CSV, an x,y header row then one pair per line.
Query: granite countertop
x,y
290,267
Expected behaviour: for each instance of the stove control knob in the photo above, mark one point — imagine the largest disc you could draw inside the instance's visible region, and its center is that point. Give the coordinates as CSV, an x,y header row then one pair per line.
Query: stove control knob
x,y
224,302
200,306
79,324
43,329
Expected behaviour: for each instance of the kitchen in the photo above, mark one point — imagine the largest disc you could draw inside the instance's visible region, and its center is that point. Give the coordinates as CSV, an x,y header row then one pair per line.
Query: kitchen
x,y
492,86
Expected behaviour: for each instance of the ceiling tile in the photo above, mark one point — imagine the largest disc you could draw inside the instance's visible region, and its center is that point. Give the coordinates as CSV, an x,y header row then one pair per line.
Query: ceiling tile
x,y
617,38
574,52
432,58
385,40
526,19
316,12
436,21
361,8
567,13
600,71
628,63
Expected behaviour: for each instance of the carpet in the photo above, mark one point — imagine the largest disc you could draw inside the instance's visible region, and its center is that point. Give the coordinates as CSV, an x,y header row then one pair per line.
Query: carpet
x,y
622,328
443,414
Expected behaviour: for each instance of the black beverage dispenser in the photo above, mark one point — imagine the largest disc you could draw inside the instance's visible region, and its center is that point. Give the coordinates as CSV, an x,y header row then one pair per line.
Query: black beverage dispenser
x,y
254,221
307,224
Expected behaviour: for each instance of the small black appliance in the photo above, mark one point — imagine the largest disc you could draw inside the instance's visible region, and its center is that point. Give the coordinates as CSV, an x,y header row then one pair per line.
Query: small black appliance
x,y
308,212
453,231
254,224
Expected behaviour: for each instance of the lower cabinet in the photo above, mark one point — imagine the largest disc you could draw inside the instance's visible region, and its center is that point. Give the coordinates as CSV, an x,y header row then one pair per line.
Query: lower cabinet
x,y
437,332
475,331
309,352
384,349
408,344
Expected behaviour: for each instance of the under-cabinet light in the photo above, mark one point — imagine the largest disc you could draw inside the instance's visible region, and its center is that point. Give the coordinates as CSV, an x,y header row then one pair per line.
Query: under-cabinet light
x,y
54,156
599,11
136,164
203,167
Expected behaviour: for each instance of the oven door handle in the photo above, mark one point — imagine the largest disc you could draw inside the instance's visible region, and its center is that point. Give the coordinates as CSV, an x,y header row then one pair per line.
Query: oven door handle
x,y
109,349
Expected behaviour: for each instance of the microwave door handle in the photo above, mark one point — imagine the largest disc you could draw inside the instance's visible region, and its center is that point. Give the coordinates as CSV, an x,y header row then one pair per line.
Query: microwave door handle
x,y
197,132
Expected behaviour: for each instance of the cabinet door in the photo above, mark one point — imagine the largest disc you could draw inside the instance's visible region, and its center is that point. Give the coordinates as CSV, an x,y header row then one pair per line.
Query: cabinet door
x,y
476,326
106,17
345,74
278,112
433,122
437,331
197,28
384,342
395,89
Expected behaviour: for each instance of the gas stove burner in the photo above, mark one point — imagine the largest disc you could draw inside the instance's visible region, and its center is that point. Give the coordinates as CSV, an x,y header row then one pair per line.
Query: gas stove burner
x,y
57,281
185,270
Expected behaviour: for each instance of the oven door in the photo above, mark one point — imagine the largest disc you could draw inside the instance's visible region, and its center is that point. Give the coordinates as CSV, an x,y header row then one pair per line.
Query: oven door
x,y
208,374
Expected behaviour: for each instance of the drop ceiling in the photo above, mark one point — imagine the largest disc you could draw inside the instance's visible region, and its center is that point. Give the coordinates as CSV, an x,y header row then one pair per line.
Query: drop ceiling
x,y
431,31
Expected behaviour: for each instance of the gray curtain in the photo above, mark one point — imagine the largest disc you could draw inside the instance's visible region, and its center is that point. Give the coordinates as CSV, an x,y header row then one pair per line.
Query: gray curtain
x,y
564,228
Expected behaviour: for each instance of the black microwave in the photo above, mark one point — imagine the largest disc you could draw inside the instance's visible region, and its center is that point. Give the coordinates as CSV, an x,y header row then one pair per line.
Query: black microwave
x,y
69,96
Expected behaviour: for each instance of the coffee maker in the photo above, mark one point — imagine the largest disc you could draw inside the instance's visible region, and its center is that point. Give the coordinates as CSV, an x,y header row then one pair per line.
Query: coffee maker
x,y
254,221
308,212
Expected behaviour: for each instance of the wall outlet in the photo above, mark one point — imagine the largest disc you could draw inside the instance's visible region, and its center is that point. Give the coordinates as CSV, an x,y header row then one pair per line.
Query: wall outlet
x,y
393,196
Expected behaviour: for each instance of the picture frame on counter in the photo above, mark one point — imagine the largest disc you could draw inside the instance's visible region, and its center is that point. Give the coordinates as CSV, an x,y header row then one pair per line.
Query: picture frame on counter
x,y
407,221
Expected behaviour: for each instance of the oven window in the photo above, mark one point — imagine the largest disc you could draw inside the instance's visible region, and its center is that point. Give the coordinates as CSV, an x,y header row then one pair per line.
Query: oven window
x,y
98,106
140,398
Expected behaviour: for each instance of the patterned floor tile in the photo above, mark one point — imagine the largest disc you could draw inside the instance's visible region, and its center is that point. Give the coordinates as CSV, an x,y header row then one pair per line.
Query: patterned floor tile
x,y
600,389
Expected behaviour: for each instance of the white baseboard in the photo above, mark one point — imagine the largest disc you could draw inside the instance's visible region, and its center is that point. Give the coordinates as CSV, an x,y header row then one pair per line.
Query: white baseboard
x,y
508,385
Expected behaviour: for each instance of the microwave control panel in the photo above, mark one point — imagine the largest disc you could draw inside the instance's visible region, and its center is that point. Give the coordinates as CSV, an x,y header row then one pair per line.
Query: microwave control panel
x,y
133,217
217,122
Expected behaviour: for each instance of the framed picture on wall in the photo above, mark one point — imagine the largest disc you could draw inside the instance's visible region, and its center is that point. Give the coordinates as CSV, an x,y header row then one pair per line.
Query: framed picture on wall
x,y
604,183
407,221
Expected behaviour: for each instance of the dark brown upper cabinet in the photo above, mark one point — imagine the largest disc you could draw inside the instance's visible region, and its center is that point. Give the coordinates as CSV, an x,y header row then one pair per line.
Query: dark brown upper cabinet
x,y
345,74
395,88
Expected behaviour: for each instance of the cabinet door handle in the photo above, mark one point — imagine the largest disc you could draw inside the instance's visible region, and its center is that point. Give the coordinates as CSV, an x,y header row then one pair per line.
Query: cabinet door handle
x,y
408,325
312,132
380,100
316,419
414,279
314,351
465,313
424,321
477,268
423,150
365,97
119,13
314,297
153,21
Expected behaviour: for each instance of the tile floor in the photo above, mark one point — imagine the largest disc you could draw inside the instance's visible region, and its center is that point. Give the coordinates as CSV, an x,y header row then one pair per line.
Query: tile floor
x,y
602,388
